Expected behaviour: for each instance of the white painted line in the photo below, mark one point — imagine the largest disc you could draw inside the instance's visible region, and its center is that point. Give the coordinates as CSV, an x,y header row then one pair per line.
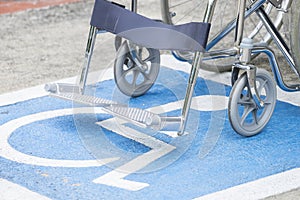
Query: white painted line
x,y
39,91
173,134
259,189
26,94
224,78
22,95
12,191
8,152
200,103
210,103
116,177
130,133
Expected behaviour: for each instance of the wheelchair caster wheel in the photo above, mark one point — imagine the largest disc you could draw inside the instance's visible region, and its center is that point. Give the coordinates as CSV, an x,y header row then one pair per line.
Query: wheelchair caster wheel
x,y
246,118
131,79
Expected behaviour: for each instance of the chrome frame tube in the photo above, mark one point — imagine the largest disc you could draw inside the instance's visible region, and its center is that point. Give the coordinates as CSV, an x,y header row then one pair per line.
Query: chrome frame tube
x,y
260,24
275,69
211,55
88,56
194,72
134,6
277,38
231,25
209,12
251,78
189,91
240,19
132,47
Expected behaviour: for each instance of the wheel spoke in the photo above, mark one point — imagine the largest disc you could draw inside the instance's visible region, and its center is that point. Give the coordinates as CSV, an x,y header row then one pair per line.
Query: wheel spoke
x,y
135,77
245,100
255,117
179,4
127,71
186,13
261,86
247,111
140,52
268,102
146,75
149,58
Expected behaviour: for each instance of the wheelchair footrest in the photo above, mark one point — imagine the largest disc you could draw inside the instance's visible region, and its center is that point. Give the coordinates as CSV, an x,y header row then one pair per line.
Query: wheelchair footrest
x,y
84,99
136,116
139,117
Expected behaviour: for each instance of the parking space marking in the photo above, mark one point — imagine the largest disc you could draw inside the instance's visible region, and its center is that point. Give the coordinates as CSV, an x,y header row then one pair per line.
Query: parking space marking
x,y
159,149
260,188
12,191
8,152
116,177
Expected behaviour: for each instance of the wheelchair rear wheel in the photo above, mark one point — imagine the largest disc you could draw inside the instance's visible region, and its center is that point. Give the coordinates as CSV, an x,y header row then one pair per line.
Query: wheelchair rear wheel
x,y
179,11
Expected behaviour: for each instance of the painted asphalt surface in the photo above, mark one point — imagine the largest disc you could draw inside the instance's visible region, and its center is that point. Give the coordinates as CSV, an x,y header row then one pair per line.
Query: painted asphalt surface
x,y
47,149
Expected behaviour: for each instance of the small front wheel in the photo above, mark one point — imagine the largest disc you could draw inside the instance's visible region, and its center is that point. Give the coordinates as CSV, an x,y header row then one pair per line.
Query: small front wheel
x,y
132,80
246,118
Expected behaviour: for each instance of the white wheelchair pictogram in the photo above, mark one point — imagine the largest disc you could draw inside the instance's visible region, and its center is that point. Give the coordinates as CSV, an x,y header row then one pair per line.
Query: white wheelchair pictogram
x,y
115,177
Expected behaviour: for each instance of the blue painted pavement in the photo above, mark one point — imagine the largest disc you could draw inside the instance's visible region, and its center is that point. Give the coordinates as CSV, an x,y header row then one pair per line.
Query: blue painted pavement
x,y
230,161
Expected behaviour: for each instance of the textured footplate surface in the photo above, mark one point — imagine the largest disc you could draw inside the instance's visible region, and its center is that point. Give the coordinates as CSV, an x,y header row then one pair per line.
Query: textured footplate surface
x,y
84,99
135,115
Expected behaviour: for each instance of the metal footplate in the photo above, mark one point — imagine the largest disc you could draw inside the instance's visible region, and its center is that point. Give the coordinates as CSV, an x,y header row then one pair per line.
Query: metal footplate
x,y
84,99
72,93
137,116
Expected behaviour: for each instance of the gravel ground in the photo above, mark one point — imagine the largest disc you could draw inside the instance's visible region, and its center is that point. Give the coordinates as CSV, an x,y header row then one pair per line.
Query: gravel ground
x,y
38,46
44,45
